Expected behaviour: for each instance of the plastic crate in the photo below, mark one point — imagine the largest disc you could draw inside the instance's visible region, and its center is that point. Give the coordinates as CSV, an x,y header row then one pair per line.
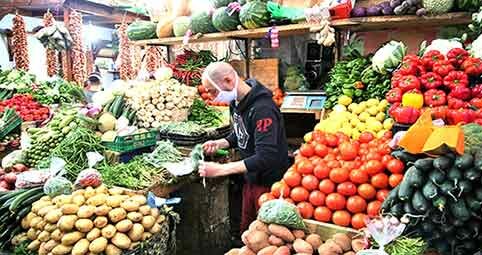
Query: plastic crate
x,y
133,142
4,132
341,11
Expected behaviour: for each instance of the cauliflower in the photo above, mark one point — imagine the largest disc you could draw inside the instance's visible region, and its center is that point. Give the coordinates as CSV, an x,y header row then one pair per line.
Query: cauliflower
x,y
476,49
443,45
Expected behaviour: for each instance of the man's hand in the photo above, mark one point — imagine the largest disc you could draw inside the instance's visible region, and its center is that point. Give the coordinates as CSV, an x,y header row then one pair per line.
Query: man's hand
x,y
210,169
211,147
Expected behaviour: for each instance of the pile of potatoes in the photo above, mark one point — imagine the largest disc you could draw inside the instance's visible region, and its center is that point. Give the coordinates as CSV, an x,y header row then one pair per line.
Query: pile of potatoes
x,y
91,221
272,239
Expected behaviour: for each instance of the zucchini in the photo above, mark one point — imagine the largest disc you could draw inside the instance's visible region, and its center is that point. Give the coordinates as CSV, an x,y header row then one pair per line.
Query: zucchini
x,y
439,202
419,202
447,187
462,234
424,164
442,163
427,227
436,177
478,194
20,198
472,174
397,210
391,199
473,204
408,208
429,190
404,156
454,174
413,179
459,210
464,162
465,186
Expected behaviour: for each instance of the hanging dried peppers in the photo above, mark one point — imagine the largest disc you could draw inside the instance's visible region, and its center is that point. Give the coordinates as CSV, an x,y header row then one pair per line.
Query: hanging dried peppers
x,y
20,49
136,60
78,54
49,20
153,59
125,53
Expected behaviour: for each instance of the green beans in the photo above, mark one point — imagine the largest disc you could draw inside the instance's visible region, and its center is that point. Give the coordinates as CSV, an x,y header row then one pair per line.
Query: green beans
x,y
164,152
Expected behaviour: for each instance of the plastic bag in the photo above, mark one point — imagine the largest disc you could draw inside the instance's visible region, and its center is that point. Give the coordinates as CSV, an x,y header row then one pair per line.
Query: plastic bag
x,y
282,213
383,231
12,158
35,178
90,176
57,186
282,12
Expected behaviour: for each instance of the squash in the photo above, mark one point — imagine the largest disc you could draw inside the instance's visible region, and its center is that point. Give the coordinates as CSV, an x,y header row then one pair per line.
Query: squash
x,y
164,27
445,139
181,8
414,139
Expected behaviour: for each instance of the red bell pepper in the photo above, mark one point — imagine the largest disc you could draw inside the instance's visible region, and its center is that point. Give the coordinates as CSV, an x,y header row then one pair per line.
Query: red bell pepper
x,y
439,112
456,79
457,56
434,97
393,107
396,77
409,82
455,103
406,115
459,92
413,58
478,121
431,80
476,102
394,95
477,91
409,67
472,66
478,114
460,116
443,68
432,57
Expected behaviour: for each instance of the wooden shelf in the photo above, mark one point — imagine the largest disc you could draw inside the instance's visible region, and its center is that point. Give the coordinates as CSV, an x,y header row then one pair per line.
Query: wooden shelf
x,y
356,24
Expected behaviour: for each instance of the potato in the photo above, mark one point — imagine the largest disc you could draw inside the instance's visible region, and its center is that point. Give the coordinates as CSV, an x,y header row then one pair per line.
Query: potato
x,y
35,221
155,212
86,211
124,226
116,191
45,198
113,201
56,235
140,199
102,210
233,252
93,234
53,216
298,234
81,247
330,247
84,225
281,232
62,200
246,251
43,211
36,206
79,192
146,236
32,234
71,238
34,245
276,241
109,231
161,219
50,245
67,222
41,250
155,229
258,225
267,250
41,225
50,227
44,236
357,244
100,221
78,200
301,246
97,200
257,240
117,215
145,210
135,234
112,250
89,192
343,240
314,240
102,189
98,245
148,222
61,249
135,216
121,240
25,223
133,245
283,250
130,205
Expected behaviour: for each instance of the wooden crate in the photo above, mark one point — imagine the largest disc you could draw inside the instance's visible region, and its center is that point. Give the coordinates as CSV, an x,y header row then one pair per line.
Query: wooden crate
x,y
265,71
326,230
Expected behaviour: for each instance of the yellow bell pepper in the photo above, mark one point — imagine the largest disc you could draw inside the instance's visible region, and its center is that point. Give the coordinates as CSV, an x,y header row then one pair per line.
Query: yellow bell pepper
x,y
412,99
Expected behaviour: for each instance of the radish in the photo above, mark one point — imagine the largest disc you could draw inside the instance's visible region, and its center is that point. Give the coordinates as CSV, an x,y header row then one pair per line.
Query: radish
x,y
10,178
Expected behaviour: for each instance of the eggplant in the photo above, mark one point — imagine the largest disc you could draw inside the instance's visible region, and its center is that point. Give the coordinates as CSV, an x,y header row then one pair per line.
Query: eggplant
x,y
374,11
395,3
384,4
359,12
387,11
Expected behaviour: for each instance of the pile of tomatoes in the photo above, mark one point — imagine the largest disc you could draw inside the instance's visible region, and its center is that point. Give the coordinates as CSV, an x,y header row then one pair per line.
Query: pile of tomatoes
x,y
335,179
208,98
26,107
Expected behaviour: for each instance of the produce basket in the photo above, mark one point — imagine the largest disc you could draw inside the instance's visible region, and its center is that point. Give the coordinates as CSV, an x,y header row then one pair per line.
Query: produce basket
x,y
132,142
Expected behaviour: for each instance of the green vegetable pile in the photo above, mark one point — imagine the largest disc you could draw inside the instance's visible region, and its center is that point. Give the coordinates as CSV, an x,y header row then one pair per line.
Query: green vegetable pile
x,y
55,92
15,79
406,246
186,128
164,152
441,199
472,137
205,115
137,174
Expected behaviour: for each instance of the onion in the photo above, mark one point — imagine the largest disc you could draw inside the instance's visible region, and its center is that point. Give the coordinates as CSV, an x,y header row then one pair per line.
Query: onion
x,y
19,168
4,185
10,178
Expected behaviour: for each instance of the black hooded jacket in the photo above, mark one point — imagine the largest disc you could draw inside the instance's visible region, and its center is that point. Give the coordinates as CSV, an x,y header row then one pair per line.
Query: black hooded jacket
x,y
259,133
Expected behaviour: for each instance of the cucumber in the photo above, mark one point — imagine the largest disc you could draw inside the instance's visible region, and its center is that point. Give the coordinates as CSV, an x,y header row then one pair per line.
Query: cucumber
x,y
454,174
390,200
429,190
397,210
437,177
472,174
473,204
424,164
419,203
404,156
413,179
20,198
465,186
66,121
439,202
459,210
464,162
442,163
408,208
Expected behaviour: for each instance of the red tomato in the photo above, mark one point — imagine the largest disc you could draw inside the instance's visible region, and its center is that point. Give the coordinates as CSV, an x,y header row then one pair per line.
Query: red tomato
x,y
342,137
305,209
372,155
358,176
382,195
322,213
359,220
373,208
341,218
321,171
307,150
374,167
289,200
264,198
348,151
333,164
339,175
299,194
280,188
388,135
367,191
349,164
321,150
346,189
366,137
305,167
292,178
326,186
395,179
331,140
330,157
335,201
309,182
318,137
384,149
380,181
356,204
395,166
386,159
317,198
315,160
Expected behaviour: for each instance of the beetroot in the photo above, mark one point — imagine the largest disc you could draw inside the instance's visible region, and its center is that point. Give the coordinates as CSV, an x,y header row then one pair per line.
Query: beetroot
x,y
10,178
4,184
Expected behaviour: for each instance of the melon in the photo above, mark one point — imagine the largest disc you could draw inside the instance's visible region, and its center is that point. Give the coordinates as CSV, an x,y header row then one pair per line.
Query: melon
x,y
224,22
221,3
181,25
202,23
254,15
438,6
141,30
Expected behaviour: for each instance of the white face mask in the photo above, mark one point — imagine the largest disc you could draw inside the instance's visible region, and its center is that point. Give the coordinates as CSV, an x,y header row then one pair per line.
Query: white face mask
x,y
225,96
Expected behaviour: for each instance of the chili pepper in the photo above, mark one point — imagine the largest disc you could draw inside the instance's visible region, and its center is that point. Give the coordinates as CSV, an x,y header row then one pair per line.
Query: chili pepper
x,y
394,95
408,67
472,66
443,68
434,97
457,56
409,82
439,112
477,91
455,103
455,79
359,85
460,116
406,115
476,102
432,57
460,93
412,99
431,80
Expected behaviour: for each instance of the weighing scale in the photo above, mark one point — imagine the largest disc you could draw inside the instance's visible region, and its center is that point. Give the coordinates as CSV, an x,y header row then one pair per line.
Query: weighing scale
x,y
304,100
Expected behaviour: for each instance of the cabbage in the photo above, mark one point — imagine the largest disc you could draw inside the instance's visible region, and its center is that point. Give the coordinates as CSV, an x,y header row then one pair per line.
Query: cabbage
x,y
282,213
444,45
388,57
472,137
102,98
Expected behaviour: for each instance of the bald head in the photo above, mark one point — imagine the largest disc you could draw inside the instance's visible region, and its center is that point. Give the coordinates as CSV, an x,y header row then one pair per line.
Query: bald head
x,y
220,74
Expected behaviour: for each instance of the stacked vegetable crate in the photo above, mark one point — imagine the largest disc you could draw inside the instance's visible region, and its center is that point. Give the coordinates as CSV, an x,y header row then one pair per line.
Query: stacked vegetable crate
x,y
132,142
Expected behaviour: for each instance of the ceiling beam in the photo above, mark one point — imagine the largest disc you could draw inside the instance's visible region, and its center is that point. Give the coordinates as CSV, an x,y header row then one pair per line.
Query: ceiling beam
x,y
32,4
111,13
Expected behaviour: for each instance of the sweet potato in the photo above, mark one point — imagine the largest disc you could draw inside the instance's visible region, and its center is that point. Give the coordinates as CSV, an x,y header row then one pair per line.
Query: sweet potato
x,y
281,232
257,240
299,234
357,244
283,250
276,241
314,240
267,250
233,252
343,241
330,247
258,225
301,246
246,251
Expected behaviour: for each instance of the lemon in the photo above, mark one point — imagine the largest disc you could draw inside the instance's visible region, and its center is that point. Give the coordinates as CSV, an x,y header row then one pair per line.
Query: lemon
x,y
347,130
361,127
380,116
372,102
358,109
354,122
383,103
381,108
355,134
345,100
339,108
363,105
363,116
388,123
380,133
352,106
374,126
308,137
373,110
319,127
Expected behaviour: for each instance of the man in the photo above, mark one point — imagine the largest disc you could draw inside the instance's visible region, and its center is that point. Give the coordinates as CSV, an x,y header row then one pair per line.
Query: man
x,y
92,85
259,135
